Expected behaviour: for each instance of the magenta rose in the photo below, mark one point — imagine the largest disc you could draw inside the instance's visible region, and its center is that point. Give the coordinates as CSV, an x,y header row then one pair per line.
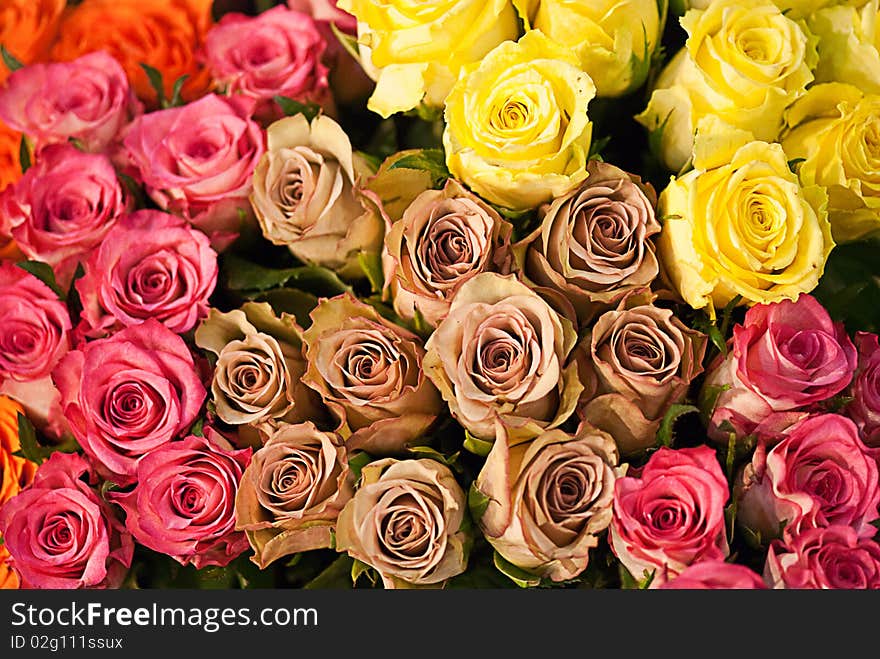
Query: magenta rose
x,y
62,207
715,575
277,52
127,395
183,503
824,558
671,514
88,99
61,534
197,160
786,355
864,408
151,265
820,474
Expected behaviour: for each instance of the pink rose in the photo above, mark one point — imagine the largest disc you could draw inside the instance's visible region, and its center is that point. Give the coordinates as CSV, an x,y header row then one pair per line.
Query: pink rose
x,y
865,406
183,503
277,52
786,355
819,475
88,99
151,265
326,11
62,207
128,395
197,160
670,515
824,558
715,575
61,533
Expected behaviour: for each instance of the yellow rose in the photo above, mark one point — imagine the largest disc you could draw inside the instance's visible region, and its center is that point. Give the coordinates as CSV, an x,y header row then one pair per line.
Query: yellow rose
x,y
614,39
744,62
740,223
835,129
849,45
414,50
517,130
792,8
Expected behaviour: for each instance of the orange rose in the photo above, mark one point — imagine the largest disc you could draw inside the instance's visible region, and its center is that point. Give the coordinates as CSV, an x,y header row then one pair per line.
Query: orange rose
x,y
28,28
10,172
166,34
15,473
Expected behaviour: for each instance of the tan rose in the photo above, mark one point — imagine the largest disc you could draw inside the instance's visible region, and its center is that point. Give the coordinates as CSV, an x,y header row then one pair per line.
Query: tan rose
x,y
405,521
501,355
292,491
549,499
369,373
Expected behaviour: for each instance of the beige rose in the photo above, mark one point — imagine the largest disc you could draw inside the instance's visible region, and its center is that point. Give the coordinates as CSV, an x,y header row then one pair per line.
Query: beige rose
x,y
501,355
369,373
593,245
444,238
406,521
549,499
643,360
307,196
292,491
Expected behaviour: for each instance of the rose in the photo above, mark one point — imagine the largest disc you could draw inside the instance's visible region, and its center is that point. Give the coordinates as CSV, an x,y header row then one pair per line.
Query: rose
x,y
277,52
197,161
785,356
61,533
128,395
306,195
326,12
10,165
183,501
292,491
642,360
164,34
62,207
444,238
150,265
614,40
819,475
368,372
743,63
88,99
549,499
593,243
501,355
28,29
415,54
715,575
849,44
832,557
406,521
257,377
864,408
517,131
671,514
833,130
740,223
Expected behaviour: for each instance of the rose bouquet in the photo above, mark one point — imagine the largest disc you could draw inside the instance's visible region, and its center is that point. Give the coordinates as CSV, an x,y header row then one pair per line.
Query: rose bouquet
x,y
464,294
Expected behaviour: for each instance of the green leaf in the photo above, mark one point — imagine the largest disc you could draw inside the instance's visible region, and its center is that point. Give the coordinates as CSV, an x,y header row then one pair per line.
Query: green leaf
x,y
450,461
357,462
31,449
176,100
836,403
347,41
664,433
291,107
730,518
24,155
711,330
727,315
794,162
43,272
476,446
520,577
707,399
596,147
645,583
242,275
155,77
432,161
850,286
214,577
12,63
77,143
731,456
335,575
629,582
420,324
292,301
477,502
74,303
371,264
359,568
198,428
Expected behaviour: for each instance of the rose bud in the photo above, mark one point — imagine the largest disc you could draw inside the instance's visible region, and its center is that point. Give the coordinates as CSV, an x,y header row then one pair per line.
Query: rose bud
x,y
670,514
833,557
306,195
786,355
593,245
292,491
549,499
151,265
444,238
406,521
368,372
864,408
501,355
819,474
60,533
183,502
643,359
715,575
